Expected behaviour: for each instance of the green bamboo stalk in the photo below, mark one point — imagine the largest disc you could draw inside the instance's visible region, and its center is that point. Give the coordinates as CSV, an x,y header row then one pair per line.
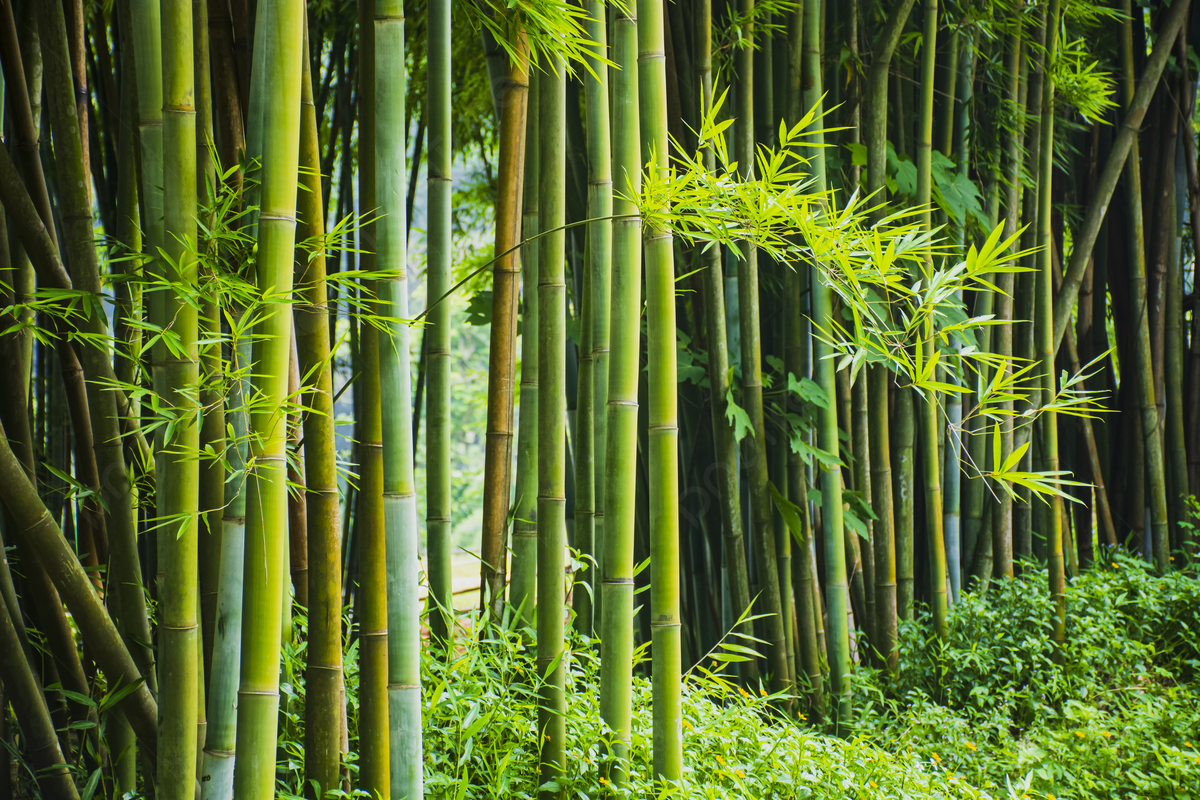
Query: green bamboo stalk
x,y
523,587
438,399
1024,297
374,732
511,87
594,323
1143,375
620,476
147,48
279,111
597,95
552,396
929,411
178,630
323,705
216,778
952,491
399,486
807,613
836,590
725,446
40,745
1175,432
861,445
949,93
762,537
1045,326
663,419
1002,511
884,529
212,409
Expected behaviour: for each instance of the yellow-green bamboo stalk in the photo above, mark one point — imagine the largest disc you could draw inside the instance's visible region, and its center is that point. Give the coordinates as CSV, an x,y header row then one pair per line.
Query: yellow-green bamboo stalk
x,y
374,775
399,486
762,538
928,407
552,424
1045,326
523,587
323,706
600,187
1143,377
620,471
837,594
438,399
178,630
719,374
593,355
663,421
262,612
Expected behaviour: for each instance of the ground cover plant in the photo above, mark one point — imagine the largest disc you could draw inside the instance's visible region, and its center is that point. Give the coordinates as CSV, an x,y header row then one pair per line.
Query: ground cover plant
x,y
1113,713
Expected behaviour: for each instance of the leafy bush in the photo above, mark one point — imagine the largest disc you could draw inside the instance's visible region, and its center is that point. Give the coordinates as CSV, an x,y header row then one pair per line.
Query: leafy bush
x,y
1114,715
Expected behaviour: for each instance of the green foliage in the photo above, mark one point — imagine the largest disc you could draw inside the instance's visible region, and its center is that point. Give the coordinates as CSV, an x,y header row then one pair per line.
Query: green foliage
x,y
1110,716
481,738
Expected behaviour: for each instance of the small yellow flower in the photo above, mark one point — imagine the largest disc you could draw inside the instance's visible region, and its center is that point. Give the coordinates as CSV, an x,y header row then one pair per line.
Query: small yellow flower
x,y
603,781
935,758
1106,734
970,746
1050,796
873,784
1080,734
687,725
743,692
720,761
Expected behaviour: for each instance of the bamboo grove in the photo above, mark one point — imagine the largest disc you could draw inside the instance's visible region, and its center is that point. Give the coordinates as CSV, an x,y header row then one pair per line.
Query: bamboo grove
x,y
802,319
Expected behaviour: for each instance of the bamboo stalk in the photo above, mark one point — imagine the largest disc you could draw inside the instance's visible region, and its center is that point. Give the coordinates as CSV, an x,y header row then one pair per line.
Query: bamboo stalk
x,y
663,422
1045,323
511,90
178,629
1002,511
1143,375
725,446
323,705
438,402
620,476
929,410
836,590
374,732
552,396
762,538
523,587
216,778
282,33
399,486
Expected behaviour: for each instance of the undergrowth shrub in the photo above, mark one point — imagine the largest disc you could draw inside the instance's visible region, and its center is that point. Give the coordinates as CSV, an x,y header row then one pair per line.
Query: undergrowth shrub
x,y
1115,715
